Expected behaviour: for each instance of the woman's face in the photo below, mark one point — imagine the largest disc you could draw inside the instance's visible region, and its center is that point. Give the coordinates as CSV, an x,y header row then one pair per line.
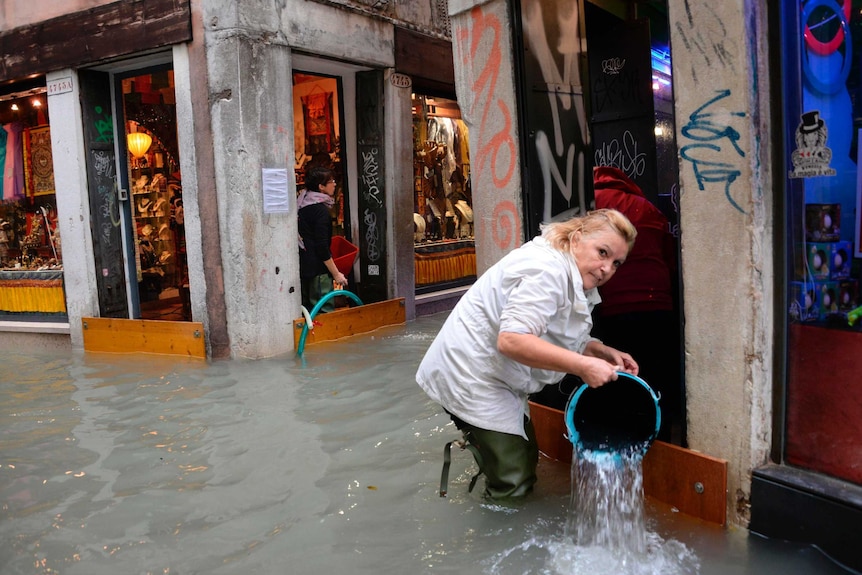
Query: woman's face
x,y
328,188
598,255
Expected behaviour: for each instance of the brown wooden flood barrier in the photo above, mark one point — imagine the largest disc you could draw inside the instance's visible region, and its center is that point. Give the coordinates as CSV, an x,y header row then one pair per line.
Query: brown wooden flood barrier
x,y
693,483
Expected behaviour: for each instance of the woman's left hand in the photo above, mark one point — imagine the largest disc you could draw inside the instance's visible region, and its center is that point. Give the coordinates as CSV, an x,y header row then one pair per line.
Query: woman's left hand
x,y
623,360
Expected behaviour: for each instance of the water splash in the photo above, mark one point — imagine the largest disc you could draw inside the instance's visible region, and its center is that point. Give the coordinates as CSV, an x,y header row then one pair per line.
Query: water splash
x,y
605,532
607,508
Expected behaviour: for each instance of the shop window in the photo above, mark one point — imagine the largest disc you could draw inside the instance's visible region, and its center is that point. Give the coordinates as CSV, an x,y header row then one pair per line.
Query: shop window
x,y
443,219
824,203
31,258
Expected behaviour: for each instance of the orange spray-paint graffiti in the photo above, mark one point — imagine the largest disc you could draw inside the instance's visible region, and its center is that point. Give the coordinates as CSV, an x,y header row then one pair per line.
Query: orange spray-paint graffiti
x,y
496,156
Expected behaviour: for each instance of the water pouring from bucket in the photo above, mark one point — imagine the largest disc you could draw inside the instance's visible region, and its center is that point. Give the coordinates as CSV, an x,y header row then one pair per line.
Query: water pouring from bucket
x,y
618,420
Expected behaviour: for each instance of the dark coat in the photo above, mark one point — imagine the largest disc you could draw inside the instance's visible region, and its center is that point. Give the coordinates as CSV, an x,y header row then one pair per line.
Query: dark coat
x,y
315,229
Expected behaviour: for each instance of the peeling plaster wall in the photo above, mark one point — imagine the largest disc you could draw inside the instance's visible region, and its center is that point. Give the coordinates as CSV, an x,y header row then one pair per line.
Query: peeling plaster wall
x,y
484,83
310,27
252,132
719,71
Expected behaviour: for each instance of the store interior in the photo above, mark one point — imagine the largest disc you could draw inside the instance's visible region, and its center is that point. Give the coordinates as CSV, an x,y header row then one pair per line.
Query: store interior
x,y
31,257
29,239
156,196
443,219
317,137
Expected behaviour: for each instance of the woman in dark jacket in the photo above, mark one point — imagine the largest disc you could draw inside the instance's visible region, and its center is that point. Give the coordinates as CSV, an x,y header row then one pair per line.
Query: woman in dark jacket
x,y
316,268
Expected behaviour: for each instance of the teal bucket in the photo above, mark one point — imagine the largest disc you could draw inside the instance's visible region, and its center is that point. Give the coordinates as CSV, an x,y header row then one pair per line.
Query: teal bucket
x,y
621,417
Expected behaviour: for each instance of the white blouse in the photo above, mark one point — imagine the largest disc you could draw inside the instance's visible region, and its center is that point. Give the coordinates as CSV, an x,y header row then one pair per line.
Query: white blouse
x,y
534,289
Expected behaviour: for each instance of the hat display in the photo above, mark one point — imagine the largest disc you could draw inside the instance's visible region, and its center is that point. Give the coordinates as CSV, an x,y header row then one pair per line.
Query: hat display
x,y
144,205
160,207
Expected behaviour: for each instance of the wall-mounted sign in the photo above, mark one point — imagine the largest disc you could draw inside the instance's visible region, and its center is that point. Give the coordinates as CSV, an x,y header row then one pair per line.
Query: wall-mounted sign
x,y
277,198
400,80
60,86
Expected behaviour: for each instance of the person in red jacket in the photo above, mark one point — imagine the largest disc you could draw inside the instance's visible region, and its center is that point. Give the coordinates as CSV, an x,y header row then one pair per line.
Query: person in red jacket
x,y
638,311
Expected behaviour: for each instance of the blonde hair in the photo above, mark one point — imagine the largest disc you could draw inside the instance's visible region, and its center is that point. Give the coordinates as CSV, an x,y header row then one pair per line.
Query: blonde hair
x,y
560,234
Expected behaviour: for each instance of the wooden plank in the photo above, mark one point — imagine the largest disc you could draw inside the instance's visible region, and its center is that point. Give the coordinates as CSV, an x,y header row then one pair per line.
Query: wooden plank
x,y
550,426
423,56
110,30
350,321
692,482
103,334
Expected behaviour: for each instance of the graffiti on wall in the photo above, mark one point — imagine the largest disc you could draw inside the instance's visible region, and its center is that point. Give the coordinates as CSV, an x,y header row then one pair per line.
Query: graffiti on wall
x,y
560,141
710,144
372,195
496,155
711,136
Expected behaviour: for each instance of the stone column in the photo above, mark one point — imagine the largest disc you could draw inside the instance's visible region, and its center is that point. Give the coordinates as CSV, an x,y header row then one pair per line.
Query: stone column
x,y
721,108
399,176
250,93
484,82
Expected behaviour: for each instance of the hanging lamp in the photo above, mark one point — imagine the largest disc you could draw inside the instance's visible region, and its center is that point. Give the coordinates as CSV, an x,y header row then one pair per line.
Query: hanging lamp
x,y
139,143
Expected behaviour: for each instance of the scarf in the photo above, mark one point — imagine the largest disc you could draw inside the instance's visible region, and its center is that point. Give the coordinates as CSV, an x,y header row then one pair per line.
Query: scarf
x,y
307,198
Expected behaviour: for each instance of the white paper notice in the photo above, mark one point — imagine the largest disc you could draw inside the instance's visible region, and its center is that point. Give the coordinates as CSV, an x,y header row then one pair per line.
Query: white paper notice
x,y
276,193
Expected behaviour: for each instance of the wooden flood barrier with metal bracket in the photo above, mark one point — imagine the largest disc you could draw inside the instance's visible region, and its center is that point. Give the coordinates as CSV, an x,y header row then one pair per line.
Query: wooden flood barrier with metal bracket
x,y
693,483
105,334
345,322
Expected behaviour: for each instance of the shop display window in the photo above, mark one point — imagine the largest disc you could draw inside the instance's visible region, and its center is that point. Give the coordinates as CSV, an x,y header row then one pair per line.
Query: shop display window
x,y
31,256
823,430
443,219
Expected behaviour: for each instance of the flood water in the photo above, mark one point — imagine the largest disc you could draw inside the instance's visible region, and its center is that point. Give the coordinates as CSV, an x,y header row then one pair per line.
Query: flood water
x,y
135,464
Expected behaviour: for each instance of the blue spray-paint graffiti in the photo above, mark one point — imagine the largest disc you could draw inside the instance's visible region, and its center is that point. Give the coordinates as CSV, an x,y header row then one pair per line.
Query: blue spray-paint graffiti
x,y
704,127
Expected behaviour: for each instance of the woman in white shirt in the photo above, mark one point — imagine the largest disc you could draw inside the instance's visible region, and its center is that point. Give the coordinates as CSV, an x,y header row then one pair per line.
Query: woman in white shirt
x,y
525,324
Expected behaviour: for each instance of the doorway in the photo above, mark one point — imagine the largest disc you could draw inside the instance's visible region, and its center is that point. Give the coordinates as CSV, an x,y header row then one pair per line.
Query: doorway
x,y
156,257
318,128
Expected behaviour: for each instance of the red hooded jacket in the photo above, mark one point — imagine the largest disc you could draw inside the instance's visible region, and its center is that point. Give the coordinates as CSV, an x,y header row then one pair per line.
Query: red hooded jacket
x,y
644,281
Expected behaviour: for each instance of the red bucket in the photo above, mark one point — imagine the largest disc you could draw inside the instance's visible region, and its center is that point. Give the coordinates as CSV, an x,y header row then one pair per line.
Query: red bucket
x,y
343,253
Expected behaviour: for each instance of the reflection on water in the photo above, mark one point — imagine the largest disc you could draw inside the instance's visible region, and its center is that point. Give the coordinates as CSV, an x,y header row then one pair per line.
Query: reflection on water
x,y
116,464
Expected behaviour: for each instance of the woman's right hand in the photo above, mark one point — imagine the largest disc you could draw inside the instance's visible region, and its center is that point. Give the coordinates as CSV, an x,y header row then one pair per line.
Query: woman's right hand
x,y
340,279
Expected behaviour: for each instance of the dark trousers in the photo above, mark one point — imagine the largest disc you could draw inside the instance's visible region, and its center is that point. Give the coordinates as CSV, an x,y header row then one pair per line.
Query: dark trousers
x,y
508,461
313,290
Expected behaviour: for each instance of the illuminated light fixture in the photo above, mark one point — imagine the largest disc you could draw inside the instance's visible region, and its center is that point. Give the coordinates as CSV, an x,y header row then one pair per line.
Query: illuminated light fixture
x,y
139,143
14,107
659,131
37,103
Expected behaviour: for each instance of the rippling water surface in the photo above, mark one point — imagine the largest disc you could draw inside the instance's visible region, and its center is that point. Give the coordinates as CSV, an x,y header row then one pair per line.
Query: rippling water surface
x,y
133,464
